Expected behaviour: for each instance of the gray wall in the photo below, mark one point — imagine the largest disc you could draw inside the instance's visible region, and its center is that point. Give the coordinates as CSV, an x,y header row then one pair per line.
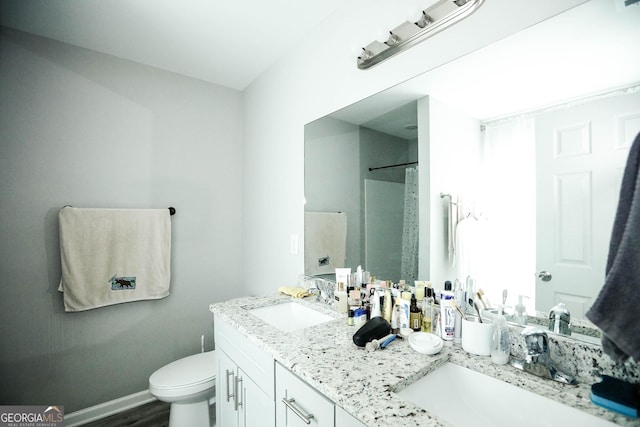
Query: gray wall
x,y
338,156
332,175
89,130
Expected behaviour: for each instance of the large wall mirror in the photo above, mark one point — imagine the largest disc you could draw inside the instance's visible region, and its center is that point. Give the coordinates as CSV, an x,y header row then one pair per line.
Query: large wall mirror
x,y
567,89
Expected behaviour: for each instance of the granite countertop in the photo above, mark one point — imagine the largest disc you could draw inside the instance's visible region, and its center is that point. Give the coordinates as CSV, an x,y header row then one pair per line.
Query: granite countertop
x,y
364,383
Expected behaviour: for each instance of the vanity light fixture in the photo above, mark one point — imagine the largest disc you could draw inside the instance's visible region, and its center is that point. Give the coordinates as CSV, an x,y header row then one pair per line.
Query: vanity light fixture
x,y
434,19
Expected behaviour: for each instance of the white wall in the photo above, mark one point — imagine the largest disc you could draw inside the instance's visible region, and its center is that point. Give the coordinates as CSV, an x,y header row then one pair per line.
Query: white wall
x,y
455,158
89,130
318,77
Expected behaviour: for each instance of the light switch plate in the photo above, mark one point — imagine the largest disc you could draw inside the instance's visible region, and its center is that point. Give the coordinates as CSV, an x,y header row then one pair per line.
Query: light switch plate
x,y
293,244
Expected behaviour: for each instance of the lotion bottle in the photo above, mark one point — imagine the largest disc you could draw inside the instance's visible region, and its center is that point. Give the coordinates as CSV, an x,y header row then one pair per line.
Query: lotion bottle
x,y
447,315
387,307
341,304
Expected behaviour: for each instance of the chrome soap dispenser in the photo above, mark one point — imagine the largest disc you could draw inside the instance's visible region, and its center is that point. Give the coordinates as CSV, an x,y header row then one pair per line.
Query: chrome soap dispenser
x,y
560,320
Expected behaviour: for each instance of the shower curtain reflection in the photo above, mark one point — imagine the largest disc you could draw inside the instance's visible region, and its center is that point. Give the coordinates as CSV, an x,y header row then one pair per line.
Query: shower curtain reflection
x,y
409,270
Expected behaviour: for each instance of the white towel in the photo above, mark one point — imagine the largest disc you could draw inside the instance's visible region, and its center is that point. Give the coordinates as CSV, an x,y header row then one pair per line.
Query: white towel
x,y
455,215
325,242
111,256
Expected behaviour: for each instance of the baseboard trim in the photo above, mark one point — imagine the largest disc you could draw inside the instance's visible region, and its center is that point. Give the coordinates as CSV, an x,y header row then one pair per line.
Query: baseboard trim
x,y
105,409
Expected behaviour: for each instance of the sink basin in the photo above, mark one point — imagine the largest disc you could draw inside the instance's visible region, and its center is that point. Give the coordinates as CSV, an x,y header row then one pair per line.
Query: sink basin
x,y
290,316
464,397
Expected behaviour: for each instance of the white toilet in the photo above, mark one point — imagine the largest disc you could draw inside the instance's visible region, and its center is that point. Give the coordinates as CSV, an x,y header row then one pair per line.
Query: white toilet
x,y
188,384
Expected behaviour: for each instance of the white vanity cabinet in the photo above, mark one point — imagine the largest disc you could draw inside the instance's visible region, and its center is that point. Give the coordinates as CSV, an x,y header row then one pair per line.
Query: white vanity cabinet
x,y
300,405
344,419
253,390
244,381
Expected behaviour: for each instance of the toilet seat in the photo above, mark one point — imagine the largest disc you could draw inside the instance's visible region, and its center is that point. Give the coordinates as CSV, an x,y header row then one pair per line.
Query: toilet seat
x,y
189,375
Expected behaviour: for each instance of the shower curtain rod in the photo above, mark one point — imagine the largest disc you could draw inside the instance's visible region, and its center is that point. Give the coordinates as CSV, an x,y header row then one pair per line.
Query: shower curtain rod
x,y
393,166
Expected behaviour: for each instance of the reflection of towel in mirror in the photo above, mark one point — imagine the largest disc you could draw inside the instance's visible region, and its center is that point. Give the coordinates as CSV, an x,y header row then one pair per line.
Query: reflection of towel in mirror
x,y
471,248
455,215
111,256
325,242
615,310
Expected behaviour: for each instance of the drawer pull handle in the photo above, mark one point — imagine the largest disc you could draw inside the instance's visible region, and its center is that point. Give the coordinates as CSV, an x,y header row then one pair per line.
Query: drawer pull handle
x,y
229,374
237,392
289,403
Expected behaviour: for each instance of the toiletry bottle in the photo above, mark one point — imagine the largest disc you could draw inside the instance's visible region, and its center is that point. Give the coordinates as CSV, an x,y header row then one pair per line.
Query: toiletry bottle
x,y
395,319
376,305
435,323
520,316
414,314
420,291
447,315
459,301
387,307
350,320
341,305
500,341
360,316
427,311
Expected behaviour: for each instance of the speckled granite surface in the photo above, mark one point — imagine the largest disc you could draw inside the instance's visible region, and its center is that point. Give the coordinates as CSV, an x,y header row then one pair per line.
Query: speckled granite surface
x,y
364,383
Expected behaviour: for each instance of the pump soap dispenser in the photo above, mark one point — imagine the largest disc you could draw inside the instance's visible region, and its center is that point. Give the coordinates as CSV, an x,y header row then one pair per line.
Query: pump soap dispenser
x,y
520,316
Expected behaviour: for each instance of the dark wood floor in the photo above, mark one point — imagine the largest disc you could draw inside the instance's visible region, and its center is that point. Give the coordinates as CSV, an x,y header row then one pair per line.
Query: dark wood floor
x,y
153,414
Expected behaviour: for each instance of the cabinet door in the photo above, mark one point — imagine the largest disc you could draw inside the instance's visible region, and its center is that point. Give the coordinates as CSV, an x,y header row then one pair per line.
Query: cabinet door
x,y
257,408
226,413
300,405
344,419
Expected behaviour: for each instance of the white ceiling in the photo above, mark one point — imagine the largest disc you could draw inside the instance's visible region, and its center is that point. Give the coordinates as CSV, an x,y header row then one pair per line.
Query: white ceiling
x,y
229,43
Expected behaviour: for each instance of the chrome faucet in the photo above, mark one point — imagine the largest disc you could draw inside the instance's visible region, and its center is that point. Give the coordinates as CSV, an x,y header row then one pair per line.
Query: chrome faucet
x,y
538,360
560,320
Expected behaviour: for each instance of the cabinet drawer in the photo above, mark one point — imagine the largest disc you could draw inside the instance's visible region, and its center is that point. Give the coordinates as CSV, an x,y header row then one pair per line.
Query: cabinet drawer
x,y
299,404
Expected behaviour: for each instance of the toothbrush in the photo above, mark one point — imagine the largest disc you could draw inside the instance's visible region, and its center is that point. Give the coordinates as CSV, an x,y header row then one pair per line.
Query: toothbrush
x,y
479,295
381,343
459,311
504,300
478,311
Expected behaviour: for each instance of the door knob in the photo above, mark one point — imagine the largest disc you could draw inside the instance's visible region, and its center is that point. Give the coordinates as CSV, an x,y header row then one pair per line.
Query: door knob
x,y
545,276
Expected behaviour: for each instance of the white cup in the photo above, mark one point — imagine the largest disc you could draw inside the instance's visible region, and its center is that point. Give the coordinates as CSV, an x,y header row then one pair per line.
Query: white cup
x,y
476,336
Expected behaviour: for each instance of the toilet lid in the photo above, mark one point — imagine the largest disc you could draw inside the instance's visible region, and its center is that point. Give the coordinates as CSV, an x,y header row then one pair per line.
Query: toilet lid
x,y
188,371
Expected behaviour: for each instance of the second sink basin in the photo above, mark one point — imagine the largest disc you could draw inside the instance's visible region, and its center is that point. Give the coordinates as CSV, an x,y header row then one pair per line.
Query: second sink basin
x,y
464,398
290,316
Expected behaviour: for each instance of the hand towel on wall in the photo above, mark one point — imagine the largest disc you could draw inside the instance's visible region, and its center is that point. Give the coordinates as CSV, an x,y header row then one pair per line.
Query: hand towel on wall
x,y
615,310
325,242
111,256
